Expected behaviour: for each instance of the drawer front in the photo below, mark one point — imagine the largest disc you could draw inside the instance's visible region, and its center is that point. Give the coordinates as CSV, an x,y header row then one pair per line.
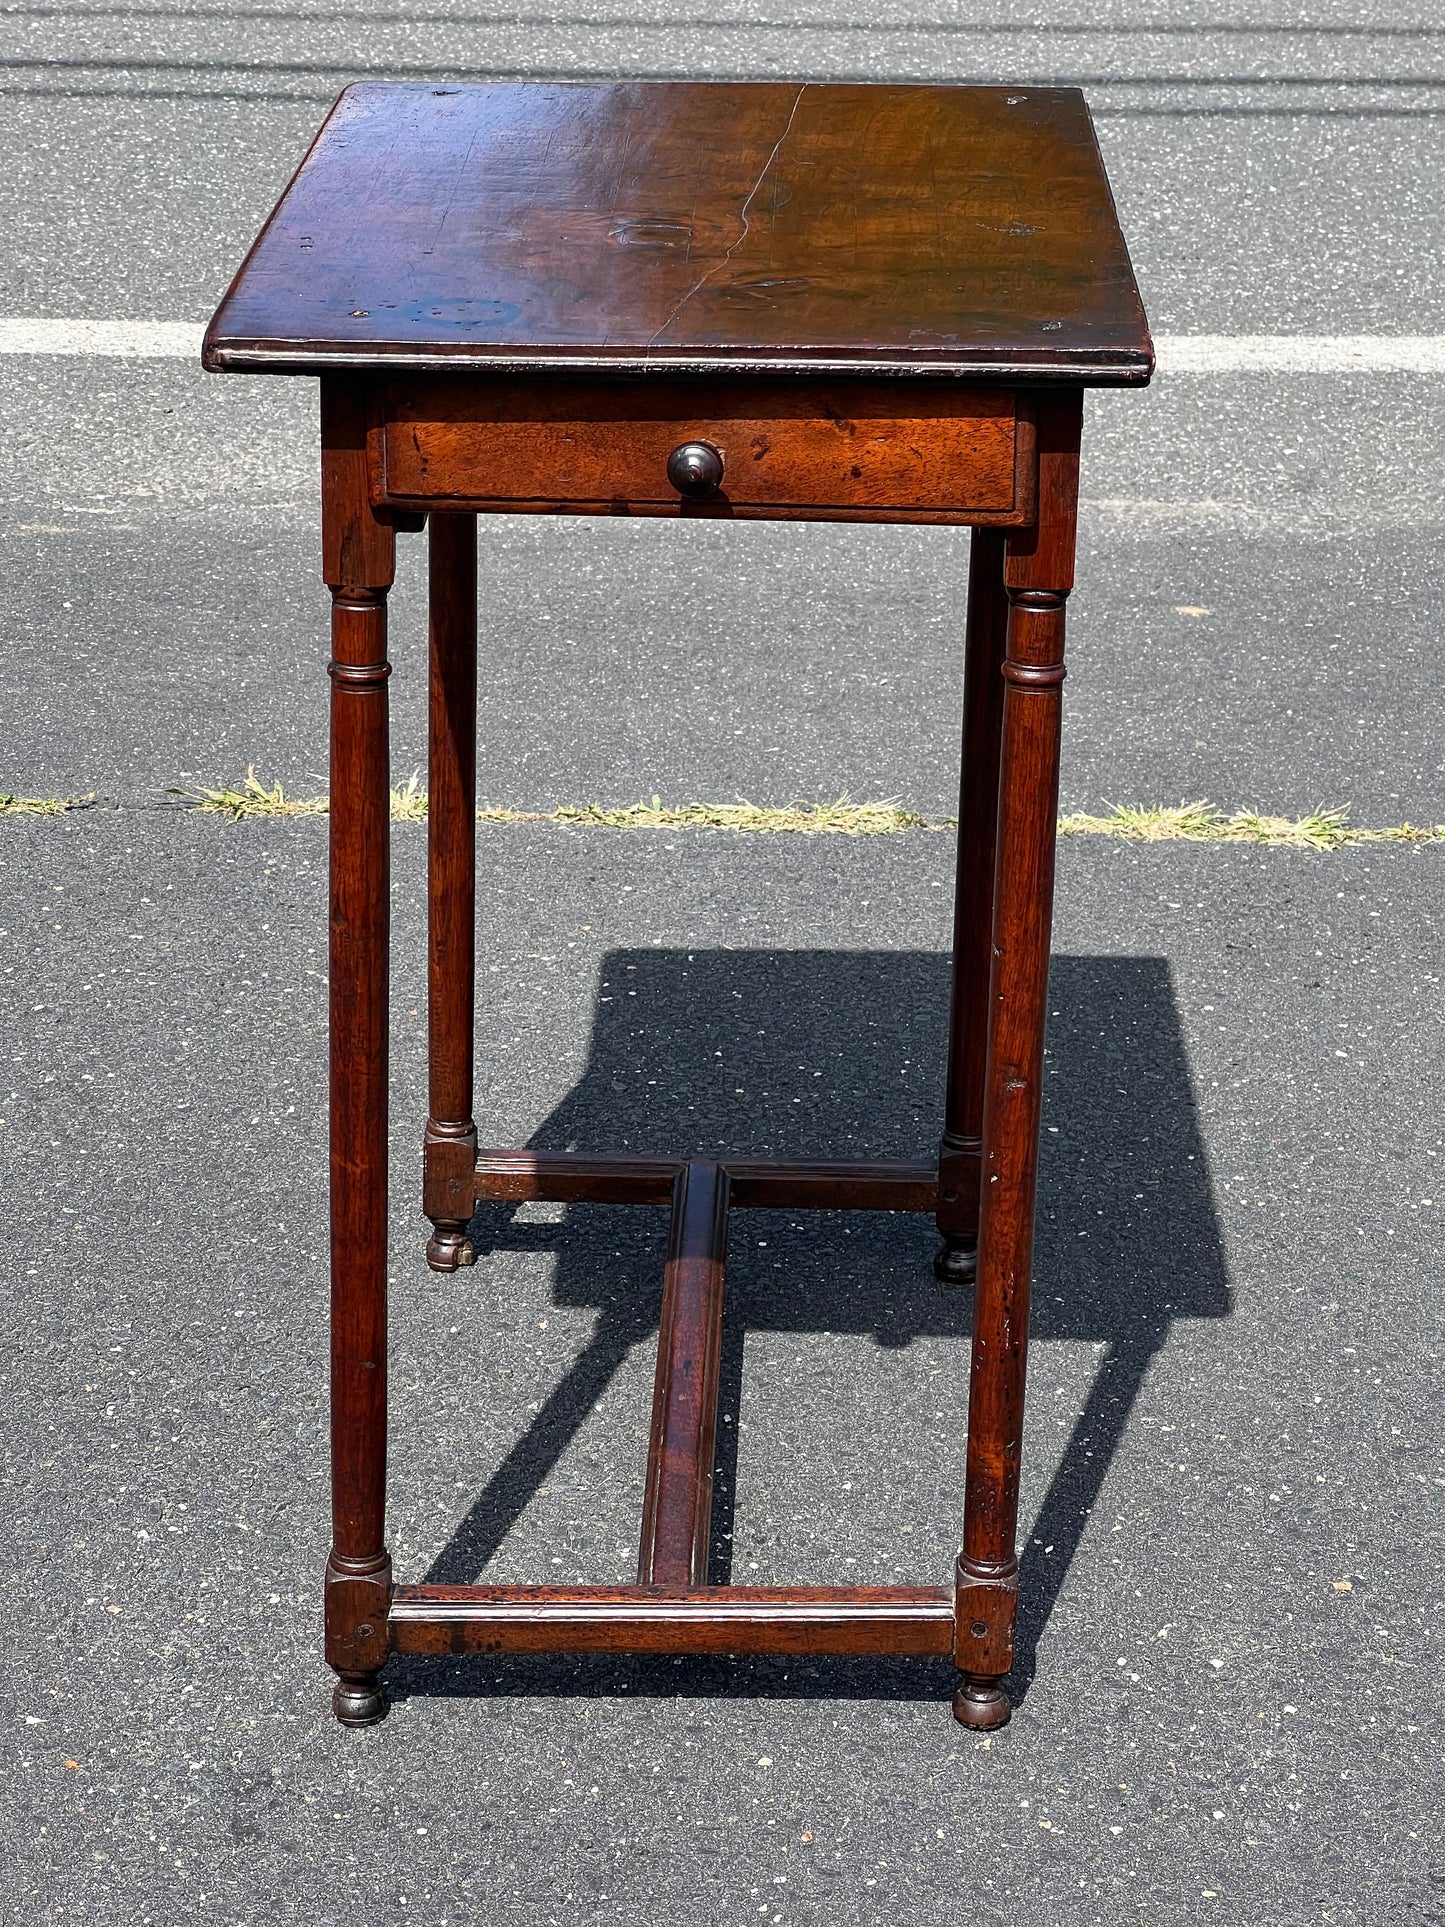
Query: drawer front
x,y
855,451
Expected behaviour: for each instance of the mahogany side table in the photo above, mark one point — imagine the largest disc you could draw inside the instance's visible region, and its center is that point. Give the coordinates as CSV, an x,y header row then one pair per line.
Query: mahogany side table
x,y
806,302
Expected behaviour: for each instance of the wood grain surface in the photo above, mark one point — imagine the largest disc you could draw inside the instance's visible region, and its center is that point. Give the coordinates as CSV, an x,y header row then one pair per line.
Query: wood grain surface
x,y
760,1184
699,224
358,564
961,1147
865,448
913,1620
677,1497
450,1155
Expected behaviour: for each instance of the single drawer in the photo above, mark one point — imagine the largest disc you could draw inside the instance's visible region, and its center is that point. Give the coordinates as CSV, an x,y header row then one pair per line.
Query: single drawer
x,y
842,450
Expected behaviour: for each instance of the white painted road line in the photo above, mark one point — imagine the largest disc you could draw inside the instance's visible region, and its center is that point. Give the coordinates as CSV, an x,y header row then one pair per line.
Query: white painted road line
x,y
172,340
1178,354
1301,354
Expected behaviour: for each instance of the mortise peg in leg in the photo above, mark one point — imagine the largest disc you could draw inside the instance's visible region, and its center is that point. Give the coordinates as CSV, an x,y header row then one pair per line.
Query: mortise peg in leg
x,y
985,1601
449,1192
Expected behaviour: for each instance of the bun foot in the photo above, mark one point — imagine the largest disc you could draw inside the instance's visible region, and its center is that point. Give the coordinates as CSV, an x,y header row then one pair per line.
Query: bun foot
x,y
956,1262
450,1248
359,1699
981,1704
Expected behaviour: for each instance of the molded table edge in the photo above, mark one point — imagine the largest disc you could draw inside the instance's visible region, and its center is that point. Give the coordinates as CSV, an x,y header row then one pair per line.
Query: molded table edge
x,y
219,357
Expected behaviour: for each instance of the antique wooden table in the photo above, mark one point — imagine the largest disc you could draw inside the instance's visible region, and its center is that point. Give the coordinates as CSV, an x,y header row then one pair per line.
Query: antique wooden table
x,y
840,303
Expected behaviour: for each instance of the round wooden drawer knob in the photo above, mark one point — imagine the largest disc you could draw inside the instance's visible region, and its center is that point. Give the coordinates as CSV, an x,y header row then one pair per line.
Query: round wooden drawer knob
x,y
695,469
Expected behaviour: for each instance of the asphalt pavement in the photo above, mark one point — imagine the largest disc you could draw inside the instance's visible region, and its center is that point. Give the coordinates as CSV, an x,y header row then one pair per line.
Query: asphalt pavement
x,y
1228,1692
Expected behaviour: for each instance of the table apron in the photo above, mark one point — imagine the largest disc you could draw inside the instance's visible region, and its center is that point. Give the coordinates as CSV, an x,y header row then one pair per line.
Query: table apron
x,y
870,451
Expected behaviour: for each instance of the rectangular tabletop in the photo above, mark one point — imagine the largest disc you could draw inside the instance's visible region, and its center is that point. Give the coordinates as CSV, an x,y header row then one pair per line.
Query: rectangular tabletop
x,y
696,226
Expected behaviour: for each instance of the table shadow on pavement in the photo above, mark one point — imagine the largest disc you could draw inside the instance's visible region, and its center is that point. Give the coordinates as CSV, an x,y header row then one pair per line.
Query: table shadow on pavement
x,y
718,1052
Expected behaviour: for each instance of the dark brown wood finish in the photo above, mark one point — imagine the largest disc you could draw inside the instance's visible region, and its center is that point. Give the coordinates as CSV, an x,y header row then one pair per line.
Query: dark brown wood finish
x,y
575,1177
1038,573
794,302
901,1620
677,1495
847,450
358,553
962,1144
821,1184
450,1152
761,1184
755,225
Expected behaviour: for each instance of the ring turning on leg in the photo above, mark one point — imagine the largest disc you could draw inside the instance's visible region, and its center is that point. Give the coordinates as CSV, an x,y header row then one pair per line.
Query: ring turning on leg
x,y
1038,573
358,554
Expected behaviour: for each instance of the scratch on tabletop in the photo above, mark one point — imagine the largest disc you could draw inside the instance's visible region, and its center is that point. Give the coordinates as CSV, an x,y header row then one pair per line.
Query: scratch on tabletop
x,y
733,246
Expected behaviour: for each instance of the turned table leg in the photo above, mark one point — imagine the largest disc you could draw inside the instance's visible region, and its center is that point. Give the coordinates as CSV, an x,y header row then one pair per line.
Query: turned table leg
x,y
451,1134
1038,573
960,1149
358,553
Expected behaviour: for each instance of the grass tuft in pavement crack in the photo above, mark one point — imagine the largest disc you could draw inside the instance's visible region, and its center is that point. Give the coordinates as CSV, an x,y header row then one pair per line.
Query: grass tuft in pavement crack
x,y
252,798
1320,829
841,818
1201,822
40,805
255,798
408,800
